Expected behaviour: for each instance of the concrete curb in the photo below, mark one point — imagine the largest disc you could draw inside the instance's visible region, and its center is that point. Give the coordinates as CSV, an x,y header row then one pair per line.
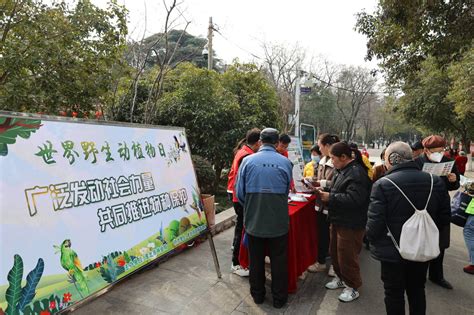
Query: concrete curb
x,y
224,221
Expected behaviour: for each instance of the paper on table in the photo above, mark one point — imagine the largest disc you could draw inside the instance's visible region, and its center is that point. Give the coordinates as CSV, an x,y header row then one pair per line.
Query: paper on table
x,y
297,197
440,169
303,194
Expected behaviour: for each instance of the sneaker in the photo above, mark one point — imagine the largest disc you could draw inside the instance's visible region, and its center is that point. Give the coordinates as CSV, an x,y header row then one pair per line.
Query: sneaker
x,y
469,269
335,283
331,271
303,276
348,295
238,270
317,267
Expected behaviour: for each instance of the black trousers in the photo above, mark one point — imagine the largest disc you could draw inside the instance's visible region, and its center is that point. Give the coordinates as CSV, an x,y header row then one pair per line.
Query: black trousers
x,y
323,237
436,267
407,277
278,248
239,225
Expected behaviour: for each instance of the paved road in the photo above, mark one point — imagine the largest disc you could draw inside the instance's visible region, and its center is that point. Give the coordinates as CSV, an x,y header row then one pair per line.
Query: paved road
x,y
187,284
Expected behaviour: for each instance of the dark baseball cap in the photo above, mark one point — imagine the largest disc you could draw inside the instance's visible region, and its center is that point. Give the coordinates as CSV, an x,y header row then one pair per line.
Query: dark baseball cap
x,y
269,135
417,146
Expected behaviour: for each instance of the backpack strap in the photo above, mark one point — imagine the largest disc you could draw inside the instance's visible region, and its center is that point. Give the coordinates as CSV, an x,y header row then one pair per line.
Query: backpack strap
x,y
431,190
401,191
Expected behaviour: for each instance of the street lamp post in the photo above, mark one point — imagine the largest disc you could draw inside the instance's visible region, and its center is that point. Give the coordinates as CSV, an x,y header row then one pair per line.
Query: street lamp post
x,y
297,106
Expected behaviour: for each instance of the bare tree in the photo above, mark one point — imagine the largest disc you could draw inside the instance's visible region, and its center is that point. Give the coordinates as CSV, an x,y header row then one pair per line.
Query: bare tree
x,y
282,65
141,53
354,88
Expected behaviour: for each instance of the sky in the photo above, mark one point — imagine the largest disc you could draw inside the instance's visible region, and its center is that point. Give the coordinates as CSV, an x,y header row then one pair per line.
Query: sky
x,y
320,27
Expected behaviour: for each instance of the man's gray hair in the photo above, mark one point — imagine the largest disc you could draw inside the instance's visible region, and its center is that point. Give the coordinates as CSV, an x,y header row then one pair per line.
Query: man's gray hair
x,y
398,152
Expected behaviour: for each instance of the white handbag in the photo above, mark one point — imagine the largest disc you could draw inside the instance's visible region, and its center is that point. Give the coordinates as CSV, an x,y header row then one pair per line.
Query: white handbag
x,y
419,239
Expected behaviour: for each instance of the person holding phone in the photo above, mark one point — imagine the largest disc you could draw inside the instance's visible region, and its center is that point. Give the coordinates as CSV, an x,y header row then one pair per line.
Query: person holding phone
x,y
322,178
348,201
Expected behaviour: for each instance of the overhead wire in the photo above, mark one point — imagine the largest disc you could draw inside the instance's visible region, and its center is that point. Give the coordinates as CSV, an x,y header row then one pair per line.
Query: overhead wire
x,y
312,75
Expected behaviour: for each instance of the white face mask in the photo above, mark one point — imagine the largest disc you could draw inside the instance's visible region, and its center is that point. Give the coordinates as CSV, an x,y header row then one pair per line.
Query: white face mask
x,y
315,158
435,156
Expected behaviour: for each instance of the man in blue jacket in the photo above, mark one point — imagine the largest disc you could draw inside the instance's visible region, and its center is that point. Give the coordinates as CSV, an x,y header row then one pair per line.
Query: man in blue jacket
x,y
263,184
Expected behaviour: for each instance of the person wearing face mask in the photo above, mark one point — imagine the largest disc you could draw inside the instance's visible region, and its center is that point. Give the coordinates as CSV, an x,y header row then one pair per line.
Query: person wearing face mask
x,y
322,178
433,152
310,167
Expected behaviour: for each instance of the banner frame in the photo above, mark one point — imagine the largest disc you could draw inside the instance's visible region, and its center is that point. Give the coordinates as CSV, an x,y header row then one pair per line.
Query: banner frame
x,y
207,233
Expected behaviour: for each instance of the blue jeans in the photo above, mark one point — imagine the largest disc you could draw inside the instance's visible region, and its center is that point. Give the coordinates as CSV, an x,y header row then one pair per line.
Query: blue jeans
x,y
469,237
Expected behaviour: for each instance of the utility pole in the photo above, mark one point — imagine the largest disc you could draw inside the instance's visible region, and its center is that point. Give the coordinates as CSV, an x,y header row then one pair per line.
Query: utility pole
x,y
209,44
297,103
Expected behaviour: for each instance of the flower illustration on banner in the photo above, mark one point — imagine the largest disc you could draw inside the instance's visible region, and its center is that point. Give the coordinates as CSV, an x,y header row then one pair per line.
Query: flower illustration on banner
x,y
67,297
52,305
121,261
45,313
97,264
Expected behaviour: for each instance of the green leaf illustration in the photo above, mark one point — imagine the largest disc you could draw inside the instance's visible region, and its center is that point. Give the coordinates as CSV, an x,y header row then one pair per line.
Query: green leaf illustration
x,y
11,128
29,291
13,293
3,149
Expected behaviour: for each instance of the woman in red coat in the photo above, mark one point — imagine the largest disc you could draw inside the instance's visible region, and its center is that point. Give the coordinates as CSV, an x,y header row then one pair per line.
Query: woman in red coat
x,y
461,161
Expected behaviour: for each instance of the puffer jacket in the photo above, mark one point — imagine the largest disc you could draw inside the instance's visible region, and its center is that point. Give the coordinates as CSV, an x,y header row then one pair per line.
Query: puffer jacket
x,y
349,196
388,207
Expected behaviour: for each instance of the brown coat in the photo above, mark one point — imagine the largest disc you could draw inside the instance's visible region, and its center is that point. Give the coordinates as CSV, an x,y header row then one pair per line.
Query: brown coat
x,y
379,171
325,173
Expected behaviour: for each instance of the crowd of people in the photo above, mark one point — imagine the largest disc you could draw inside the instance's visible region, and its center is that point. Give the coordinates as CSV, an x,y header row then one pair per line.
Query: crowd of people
x,y
357,203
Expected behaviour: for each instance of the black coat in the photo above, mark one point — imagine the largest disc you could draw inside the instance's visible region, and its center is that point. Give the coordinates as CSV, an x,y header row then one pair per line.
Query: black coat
x,y
445,232
349,196
389,207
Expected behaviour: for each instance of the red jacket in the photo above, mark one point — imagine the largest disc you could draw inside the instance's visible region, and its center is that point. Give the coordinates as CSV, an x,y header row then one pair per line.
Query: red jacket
x,y
234,170
461,162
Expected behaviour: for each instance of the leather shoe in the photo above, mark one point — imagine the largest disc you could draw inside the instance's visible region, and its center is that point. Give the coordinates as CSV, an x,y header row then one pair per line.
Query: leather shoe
x,y
442,283
258,300
278,304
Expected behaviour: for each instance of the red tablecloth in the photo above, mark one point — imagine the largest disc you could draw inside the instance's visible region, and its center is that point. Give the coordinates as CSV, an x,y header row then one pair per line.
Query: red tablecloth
x,y
302,241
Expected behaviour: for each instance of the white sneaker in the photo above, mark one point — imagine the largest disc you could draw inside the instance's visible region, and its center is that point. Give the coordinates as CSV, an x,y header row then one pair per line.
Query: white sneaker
x,y
238,270
348,295
317,267
331,272
335,283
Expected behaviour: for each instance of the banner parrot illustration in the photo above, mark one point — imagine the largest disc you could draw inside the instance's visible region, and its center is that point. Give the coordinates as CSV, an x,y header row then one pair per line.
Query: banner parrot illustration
x,y
70,262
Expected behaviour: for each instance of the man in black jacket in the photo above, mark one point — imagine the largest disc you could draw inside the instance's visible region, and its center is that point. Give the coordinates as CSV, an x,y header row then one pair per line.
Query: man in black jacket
x,y
388,207
433,153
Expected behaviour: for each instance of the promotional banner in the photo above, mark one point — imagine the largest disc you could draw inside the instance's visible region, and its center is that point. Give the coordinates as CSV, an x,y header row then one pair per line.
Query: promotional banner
x,y
295,155
83,205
